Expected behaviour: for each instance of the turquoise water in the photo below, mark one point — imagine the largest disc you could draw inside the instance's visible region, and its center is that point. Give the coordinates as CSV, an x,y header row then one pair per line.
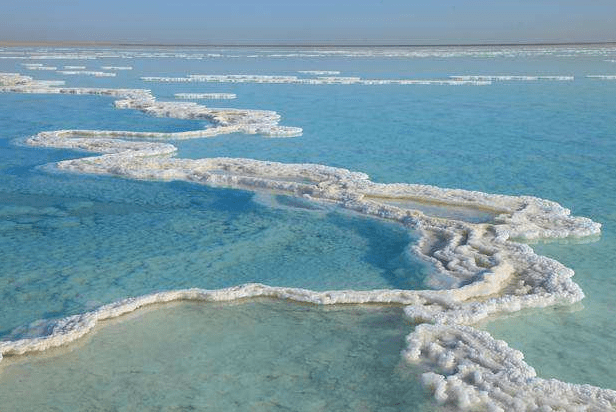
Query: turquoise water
x,y
343,359
71,243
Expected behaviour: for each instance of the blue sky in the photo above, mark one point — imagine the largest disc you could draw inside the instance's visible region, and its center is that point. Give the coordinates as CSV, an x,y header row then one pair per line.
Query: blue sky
x,y
315,21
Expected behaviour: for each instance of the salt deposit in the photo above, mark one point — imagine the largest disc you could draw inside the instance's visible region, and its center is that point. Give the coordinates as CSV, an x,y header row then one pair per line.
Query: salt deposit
x,y
116,68
481,271
321,80
87,73
502,78
213,96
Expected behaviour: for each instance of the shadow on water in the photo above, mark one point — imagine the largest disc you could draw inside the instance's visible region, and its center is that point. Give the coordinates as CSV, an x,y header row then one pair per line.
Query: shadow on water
x,y
387,249
386,243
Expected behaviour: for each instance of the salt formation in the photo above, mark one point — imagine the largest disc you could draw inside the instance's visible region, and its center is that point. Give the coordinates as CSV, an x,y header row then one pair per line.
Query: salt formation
x,y
213,96
116,67
224,121
603,76
87,73
480,271
475,369
320,72
269,79
513,78
38,66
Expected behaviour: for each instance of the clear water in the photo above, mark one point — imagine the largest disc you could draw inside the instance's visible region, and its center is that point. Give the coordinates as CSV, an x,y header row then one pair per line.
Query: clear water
x,y
69,243
247,356
91,240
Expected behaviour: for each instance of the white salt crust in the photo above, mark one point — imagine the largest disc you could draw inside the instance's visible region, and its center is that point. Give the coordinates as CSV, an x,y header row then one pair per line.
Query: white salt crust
x,y
87,73
197,96
602,76
480,270
320,72
503,78
268,79
116,67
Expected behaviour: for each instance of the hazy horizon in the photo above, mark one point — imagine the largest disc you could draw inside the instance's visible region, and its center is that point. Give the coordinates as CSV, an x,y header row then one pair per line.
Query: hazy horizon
x,y
275,22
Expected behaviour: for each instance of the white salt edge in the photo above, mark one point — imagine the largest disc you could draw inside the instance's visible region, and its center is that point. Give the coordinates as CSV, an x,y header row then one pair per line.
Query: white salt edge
x,y
322,80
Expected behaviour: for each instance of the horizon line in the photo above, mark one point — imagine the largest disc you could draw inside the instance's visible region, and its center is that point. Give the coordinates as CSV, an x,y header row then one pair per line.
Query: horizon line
x,y
298,45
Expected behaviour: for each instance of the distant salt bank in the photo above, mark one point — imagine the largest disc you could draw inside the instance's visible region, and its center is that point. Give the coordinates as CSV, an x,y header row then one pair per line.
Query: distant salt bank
x,y
320,80
210,96
38,66
87,73
116,67
320,72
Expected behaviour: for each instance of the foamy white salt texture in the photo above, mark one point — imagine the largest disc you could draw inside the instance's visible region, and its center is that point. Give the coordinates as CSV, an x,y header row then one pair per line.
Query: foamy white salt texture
x,y
602,76
74,67
212,96
480,271
321,80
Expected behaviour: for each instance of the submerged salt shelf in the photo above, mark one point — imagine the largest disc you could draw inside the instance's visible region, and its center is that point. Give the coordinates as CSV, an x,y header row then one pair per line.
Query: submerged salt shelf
x,y
481,271
156,236
257,355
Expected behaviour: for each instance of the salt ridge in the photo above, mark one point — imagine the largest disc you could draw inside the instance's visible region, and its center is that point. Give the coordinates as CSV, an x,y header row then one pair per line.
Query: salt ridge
x,y
196,96
116,68
36,66
320,72
273,79
87,73
480,273
500,78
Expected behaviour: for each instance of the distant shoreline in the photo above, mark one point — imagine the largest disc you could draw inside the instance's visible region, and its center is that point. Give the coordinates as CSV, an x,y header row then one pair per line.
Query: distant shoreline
x,y
291,45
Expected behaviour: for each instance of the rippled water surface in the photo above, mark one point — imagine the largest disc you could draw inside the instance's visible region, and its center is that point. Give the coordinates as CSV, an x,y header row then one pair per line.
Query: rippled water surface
x,y
247,356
